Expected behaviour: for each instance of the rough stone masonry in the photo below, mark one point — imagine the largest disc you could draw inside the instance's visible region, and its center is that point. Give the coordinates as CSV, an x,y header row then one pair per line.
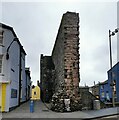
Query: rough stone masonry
x,y
65,56
60,72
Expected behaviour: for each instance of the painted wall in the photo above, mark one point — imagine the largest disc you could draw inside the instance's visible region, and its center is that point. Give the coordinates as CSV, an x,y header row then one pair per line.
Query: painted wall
x,y
35,93
28,83
107,86
103,92
14,73
10,73
115,76
23,78
118,32
10,76
0,94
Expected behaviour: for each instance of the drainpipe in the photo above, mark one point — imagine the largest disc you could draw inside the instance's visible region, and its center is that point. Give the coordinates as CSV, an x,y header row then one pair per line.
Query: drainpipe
x,y
26,84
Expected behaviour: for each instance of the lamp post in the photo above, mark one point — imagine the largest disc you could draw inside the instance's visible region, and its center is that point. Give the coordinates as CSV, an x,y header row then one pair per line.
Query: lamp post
x,y
112,85
7,54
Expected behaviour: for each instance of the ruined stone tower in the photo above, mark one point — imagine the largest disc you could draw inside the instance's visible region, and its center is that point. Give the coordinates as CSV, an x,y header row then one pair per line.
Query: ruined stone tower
x,y
65,56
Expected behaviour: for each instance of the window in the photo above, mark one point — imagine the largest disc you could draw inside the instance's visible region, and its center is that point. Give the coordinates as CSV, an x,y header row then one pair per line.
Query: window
x,y
103,95
102,87
114,86
107,96
34,93
1,37
1,56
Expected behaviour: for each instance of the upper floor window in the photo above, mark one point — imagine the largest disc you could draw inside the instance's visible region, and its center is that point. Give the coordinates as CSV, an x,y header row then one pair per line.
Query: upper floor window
x,y
34,93
102,94
1,37
114,86
102,87
1,56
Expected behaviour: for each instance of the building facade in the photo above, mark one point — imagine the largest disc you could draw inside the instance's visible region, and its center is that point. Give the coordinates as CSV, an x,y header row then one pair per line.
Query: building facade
x,y
23,79
104,91
114,80
95,90
105,88
35,93
118,31
12,69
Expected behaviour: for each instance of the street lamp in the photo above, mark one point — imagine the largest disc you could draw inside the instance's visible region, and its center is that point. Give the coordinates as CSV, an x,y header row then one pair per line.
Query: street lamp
x,y
7,54
112,85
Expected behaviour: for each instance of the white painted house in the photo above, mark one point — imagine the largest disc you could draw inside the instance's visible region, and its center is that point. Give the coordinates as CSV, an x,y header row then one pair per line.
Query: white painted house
x,y
12,69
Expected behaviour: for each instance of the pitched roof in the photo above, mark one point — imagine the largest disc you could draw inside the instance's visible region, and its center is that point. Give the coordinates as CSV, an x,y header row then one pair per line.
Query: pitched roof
x,y
12,30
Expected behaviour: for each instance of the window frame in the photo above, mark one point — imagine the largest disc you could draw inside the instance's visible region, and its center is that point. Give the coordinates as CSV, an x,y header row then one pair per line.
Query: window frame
x,y
1,37
1,62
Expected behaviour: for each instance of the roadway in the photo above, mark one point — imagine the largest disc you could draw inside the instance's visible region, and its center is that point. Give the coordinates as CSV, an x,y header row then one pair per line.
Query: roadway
x,y
41,111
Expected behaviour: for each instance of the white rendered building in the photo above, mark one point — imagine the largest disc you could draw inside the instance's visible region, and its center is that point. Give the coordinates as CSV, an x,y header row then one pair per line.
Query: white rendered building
x,y
118,31
12,69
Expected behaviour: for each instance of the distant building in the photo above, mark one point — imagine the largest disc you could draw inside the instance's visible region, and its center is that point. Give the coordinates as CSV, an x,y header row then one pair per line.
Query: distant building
x,y
12,69
88,98
95,90
35,93
105,88
104,91
83,89
115,80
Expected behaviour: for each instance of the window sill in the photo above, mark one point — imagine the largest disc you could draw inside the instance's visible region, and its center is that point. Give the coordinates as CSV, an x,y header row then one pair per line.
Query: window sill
x,y
2,74
2,45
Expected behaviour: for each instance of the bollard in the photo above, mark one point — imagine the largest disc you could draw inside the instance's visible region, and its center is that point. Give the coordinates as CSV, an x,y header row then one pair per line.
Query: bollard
x,y
31,106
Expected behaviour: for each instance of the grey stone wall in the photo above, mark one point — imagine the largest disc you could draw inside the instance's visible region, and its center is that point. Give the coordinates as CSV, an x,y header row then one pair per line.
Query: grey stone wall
x,y
65,56
47,77
58,59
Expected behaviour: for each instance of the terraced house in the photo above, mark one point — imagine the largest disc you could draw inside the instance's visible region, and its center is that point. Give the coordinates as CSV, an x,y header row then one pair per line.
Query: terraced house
x,y
13,80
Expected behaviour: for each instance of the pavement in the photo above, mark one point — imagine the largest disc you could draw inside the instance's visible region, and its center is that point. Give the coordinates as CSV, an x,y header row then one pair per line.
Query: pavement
x,y
41,111
114,117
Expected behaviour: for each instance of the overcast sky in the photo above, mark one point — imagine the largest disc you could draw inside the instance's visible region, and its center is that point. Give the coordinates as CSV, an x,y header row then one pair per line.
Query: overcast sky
x,y
36,25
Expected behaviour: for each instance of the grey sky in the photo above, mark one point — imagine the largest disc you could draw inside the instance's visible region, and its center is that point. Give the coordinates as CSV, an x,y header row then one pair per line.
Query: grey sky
x,y
37,23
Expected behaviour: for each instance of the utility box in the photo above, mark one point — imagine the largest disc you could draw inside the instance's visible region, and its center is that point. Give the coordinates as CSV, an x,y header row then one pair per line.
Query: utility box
x,y
96,104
